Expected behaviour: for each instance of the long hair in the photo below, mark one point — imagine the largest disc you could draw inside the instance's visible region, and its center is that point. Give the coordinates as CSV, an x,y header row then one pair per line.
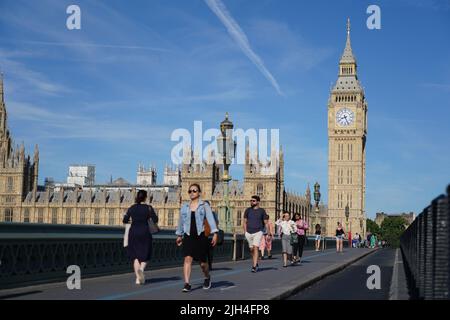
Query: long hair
x,y
141,196
317,227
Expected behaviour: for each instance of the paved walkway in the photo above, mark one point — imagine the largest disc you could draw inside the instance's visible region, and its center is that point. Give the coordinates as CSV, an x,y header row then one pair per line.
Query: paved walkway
x,y
351,283
230,280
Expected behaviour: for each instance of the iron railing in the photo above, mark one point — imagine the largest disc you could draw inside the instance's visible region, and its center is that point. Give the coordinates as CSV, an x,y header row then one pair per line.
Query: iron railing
x,y
40,253
425,247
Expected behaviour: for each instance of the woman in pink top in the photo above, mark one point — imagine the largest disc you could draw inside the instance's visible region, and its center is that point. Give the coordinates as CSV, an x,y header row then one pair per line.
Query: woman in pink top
x,y
302,226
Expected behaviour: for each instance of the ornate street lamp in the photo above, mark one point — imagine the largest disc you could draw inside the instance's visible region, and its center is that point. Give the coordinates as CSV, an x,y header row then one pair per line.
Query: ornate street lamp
x,y
226,149
347,214
317,195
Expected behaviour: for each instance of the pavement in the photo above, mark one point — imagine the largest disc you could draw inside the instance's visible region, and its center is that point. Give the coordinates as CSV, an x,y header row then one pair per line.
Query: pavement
x,y
351,283
230,281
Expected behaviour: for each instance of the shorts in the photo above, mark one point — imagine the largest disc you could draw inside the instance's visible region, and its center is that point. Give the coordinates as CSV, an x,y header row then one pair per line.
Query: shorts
x,y
341,237
254,239
318,237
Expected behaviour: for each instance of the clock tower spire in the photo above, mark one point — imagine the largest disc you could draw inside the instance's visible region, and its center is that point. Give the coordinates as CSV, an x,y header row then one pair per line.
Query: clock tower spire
x,y
347,130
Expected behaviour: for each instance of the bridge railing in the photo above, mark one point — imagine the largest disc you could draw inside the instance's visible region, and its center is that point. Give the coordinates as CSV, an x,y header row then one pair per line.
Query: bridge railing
x,y
40,253
425,247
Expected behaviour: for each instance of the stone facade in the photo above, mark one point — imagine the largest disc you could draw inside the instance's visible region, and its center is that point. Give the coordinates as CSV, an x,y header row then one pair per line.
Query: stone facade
x,y
23,201
409,217
347,131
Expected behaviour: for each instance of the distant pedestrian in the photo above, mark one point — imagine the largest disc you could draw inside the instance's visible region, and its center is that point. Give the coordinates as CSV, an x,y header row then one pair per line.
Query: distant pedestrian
x,y
360,240
255,219
140,241
297,248
318,233
339,237
266,242
287,228
355,240
372,241
191,234
211,247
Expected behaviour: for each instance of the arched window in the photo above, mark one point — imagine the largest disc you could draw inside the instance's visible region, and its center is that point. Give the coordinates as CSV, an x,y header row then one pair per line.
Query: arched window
x,y
259,189
170,218
26,215
9,215
54,215
239,218
68,215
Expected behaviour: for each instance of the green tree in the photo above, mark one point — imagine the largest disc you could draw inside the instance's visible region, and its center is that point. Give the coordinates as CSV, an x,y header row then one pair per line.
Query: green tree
x,y
372,227
391,230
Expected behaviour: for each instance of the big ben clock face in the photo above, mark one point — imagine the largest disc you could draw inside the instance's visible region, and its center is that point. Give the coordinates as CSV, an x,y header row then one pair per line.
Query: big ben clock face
x,y
345,117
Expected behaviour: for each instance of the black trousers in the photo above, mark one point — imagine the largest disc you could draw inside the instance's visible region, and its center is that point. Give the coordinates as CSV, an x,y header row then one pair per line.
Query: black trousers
x,y
298,247
210,256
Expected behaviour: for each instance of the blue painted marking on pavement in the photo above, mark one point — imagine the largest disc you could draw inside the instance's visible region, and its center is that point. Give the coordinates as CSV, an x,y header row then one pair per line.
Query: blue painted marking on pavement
x,y
178,283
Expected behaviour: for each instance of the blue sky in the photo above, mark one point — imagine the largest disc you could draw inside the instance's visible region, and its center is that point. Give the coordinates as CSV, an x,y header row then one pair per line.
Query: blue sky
x,y
111,93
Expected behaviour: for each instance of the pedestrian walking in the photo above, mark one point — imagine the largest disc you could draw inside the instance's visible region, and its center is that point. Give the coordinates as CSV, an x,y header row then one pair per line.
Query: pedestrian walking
x,y
140,240
196,218
266,242
372,241
287,228
318,234
211,247
339,237
255,219
297,248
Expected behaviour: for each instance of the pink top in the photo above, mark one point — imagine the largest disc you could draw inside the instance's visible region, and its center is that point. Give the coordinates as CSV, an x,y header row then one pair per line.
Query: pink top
x,y
302,226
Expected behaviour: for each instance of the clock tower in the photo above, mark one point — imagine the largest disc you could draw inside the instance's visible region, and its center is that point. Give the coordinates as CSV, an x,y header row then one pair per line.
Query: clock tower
x,y
347,131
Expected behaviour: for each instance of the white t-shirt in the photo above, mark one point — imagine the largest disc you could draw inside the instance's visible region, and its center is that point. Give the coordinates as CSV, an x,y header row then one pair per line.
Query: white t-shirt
x,y
287,227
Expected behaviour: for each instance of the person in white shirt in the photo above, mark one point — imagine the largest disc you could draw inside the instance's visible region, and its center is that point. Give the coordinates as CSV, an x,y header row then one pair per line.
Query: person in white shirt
x,y
287,227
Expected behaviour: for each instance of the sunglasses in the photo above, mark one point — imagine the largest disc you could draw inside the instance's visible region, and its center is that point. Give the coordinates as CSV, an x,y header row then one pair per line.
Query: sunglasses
x,y
193,191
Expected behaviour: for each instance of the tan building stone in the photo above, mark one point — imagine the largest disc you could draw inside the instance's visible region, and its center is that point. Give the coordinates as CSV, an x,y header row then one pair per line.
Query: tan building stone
x,y
347,131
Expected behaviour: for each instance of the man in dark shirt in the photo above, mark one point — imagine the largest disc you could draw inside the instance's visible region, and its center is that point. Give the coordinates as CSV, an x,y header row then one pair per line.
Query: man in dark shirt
x,y
255,220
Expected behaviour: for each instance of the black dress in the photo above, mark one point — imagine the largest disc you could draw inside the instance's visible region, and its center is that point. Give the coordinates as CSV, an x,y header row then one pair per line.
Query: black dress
x,y
194,245
139,237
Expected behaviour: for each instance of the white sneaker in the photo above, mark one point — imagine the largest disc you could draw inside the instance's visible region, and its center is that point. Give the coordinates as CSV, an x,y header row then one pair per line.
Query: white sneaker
x,y
137,281
141,277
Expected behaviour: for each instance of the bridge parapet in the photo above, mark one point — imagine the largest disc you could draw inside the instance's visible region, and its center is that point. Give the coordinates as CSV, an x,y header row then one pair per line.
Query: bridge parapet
x,y
41,253
426,250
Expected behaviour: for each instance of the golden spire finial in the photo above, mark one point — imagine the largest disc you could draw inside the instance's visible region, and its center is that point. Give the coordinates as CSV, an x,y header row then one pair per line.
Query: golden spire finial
x,y
226,115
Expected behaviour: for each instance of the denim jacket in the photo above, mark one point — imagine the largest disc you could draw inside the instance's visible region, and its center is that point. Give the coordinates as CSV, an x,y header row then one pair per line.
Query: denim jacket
x,y
184,222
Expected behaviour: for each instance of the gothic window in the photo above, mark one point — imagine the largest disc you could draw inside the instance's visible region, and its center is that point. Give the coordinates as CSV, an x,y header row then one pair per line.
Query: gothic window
x,y
259,189
239,218
9,215
351,152
54,216
68,215
97,216
10,184
26,215
41,215
170,218
111,217
83,216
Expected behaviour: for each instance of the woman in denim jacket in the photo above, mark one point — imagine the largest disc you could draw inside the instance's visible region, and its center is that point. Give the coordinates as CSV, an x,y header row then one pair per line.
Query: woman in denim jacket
x,y
191,234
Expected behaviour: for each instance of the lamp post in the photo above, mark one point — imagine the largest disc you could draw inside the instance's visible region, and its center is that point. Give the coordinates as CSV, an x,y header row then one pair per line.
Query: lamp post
x,y
226,149
347,214
317,200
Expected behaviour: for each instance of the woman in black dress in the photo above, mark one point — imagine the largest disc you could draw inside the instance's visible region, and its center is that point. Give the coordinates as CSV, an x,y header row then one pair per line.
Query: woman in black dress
x,y
139,237
191,234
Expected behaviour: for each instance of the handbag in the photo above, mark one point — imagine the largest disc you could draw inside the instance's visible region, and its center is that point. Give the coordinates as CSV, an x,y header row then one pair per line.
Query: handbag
x,y
294,238
152,227
125,236
207,228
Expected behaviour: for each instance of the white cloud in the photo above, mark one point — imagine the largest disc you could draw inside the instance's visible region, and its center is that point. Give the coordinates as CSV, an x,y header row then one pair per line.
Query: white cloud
x,y
241,39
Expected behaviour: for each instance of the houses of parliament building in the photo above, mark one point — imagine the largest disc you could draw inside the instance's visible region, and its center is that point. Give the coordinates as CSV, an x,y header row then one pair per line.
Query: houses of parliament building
x,y
23,201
